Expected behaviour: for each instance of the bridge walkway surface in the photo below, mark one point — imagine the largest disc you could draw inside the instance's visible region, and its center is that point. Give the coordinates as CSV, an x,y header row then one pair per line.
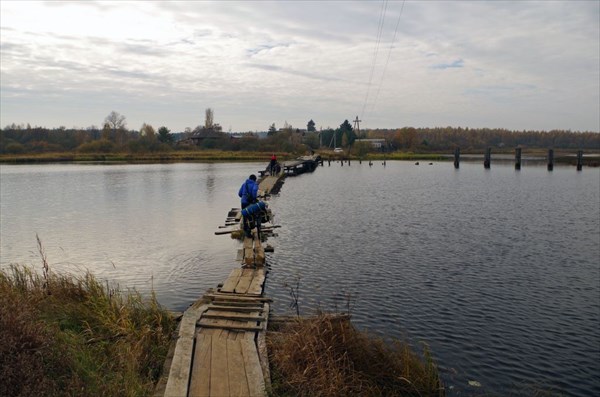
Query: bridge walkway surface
x,y
221,343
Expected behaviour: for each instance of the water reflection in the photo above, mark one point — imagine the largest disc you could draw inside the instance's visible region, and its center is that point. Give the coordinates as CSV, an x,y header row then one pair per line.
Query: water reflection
x,y
210,179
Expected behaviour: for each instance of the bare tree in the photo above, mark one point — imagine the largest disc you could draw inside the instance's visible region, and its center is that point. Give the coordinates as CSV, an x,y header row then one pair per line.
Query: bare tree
x,y
115,121
115,127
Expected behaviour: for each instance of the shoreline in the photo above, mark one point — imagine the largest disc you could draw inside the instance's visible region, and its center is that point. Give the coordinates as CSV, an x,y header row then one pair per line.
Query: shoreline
x,y
213,156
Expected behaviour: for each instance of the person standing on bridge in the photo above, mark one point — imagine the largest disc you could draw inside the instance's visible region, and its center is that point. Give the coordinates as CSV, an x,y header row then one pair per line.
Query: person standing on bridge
x,y
273,165
249,191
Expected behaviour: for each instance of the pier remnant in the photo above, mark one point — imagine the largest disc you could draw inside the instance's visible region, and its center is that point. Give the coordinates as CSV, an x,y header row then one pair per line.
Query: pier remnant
x,y
488,158
550,159
579,160
518,158
456,157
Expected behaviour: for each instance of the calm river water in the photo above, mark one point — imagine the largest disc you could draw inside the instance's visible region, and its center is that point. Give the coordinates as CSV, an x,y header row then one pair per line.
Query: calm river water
x,y
498,270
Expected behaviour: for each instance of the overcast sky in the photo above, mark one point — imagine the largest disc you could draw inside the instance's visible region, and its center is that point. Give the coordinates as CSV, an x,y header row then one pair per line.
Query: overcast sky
x,y
513,64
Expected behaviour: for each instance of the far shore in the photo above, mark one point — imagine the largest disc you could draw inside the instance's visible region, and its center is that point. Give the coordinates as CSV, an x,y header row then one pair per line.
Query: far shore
x,y
561,156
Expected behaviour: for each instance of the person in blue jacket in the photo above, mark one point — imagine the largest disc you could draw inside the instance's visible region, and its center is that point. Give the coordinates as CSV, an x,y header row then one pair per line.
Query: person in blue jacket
x,y
249,191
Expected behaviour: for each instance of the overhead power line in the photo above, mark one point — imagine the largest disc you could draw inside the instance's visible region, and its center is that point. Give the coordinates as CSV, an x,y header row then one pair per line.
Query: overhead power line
x,y
376,50
380,26
389,54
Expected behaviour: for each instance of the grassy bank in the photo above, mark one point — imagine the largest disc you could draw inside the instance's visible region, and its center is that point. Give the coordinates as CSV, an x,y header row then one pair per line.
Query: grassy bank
x,y
327,356
75,336
174,156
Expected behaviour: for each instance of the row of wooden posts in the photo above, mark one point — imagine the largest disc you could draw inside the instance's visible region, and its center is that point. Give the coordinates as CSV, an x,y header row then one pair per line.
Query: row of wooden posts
x,y
348,160
487,159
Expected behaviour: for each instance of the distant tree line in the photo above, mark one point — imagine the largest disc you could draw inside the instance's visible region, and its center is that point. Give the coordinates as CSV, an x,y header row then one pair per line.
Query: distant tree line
x,y
448,138
115,137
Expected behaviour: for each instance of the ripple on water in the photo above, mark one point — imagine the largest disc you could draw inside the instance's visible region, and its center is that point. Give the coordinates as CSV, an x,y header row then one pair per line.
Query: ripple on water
x,y
504,289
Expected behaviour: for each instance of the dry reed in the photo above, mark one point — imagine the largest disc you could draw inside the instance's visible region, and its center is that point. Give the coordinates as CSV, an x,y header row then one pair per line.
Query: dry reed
x,y
64,335
327,356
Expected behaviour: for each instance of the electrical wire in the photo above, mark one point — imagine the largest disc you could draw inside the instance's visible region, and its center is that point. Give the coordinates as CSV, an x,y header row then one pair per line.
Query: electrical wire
x,y
388,57
382,13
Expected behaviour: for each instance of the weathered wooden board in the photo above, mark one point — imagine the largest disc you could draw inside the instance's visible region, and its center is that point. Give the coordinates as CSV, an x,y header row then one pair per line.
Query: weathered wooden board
x,y
223,325
256,286
245,281
232,297
219,378
248,257
238,309
232,316
261,344
179,374
238,383
230,304
254,375
200,377
232,281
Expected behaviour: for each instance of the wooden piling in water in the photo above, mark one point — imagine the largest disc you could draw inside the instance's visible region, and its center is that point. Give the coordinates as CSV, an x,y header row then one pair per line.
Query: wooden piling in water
x,y
579,160
518,158
456,157
487,160
550,159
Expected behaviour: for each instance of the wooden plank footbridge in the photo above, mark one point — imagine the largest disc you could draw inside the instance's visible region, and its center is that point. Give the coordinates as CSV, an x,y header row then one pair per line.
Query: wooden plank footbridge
x,y
221,348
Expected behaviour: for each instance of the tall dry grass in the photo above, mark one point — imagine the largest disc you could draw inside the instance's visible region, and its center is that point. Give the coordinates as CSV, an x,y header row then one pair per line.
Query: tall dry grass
x,y
327,356
62,335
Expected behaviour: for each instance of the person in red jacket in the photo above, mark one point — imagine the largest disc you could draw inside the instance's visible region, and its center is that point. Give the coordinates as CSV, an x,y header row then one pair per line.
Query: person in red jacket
x,y
273,165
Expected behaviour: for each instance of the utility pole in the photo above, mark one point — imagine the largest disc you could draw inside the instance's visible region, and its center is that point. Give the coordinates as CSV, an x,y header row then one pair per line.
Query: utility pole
x,y
357,126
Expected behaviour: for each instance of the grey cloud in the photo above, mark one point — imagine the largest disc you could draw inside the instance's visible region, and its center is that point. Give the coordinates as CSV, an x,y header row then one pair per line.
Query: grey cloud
x,y
279,69
132,74
148,48
459,63
266,47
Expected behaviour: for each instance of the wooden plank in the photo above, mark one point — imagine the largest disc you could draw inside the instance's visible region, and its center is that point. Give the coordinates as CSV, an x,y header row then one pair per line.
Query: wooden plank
x,y
248,257
179,373
236,303
238,384
256,286
263,355
240,255
245,327
245,281
254,375
233,316
239,309
241,298
259,252
200,377
232,281
219,380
